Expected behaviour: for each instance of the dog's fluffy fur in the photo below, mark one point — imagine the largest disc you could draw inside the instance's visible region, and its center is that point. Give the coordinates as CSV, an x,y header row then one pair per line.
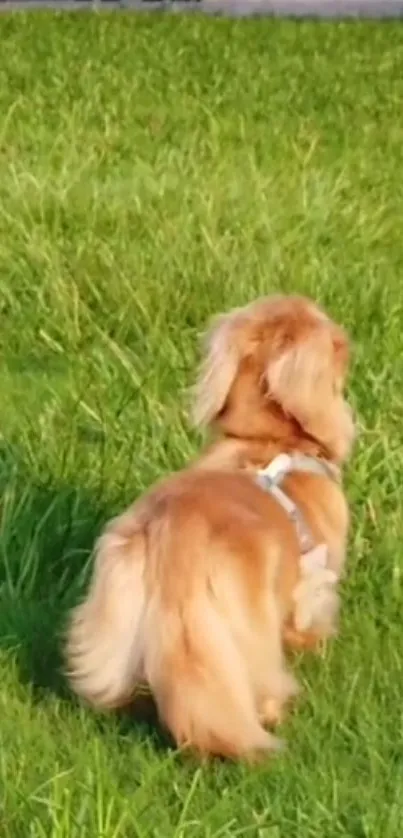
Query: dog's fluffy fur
x,y
192,590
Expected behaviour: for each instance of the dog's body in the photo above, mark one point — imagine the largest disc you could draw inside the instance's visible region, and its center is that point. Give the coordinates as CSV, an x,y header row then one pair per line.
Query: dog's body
x,y
194,588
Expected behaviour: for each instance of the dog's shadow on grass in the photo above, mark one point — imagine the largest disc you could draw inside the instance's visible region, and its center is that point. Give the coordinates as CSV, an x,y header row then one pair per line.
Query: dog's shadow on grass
x,y
48,532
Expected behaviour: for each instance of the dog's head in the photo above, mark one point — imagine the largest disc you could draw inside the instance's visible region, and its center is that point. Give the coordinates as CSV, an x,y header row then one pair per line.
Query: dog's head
x,y
277,366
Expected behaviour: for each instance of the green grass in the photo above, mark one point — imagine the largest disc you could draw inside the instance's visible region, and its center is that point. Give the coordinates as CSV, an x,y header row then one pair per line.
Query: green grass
x,y
152,172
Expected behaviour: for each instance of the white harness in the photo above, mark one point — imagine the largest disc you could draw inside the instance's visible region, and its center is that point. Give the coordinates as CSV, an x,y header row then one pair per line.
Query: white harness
x,y
315,596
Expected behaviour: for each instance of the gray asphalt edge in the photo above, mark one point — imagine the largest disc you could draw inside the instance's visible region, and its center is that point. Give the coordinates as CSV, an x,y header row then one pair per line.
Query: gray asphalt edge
x,y
328,9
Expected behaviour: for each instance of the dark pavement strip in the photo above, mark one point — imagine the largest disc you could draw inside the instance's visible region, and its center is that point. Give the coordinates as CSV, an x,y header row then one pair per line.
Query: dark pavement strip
x,y
337,9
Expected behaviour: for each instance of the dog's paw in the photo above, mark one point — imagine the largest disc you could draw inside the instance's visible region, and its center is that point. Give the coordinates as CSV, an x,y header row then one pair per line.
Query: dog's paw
x,y
315,597
272,712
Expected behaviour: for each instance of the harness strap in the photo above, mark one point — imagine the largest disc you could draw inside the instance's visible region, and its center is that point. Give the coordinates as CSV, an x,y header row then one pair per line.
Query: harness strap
x,y
270,477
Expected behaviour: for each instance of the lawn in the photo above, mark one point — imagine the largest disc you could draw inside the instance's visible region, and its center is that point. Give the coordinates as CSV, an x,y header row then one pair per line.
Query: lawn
x,y
154,171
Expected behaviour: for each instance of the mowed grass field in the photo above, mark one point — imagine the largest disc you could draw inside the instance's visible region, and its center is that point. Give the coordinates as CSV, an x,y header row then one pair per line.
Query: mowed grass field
x,y
154,171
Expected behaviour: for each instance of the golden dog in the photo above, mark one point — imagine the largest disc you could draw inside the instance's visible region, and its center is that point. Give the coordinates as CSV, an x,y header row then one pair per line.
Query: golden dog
x,y
200,584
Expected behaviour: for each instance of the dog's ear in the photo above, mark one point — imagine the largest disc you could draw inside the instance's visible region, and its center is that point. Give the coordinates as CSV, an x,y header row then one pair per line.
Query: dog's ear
x,y
306,376
301,375
218,369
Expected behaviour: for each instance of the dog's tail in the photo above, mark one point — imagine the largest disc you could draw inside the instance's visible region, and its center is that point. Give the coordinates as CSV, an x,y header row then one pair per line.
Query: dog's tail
x,y
105,642
175,638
